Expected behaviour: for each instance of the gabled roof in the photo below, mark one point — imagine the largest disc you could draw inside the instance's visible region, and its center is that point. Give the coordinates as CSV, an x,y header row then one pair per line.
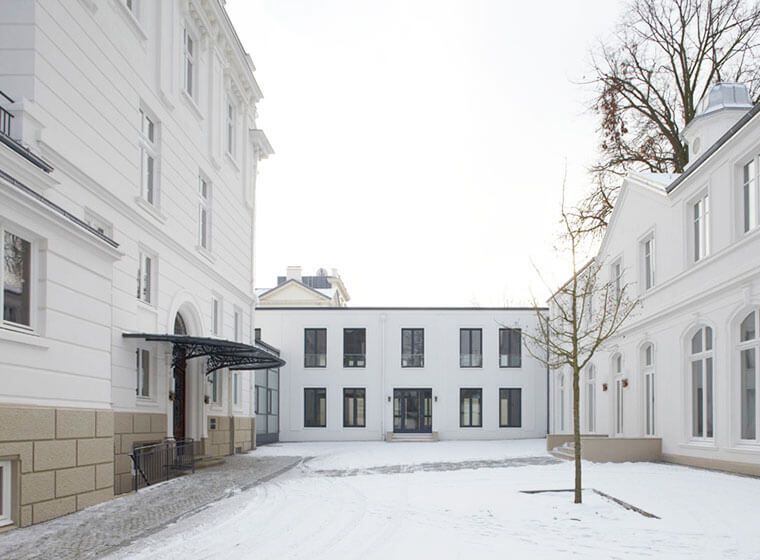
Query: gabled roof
x,y
294,282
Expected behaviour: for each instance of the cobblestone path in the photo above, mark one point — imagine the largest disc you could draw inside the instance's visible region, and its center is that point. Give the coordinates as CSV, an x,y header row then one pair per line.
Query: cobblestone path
x,y
104,528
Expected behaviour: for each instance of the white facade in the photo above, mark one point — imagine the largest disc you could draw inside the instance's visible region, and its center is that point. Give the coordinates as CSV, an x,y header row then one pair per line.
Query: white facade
x,y
680,368
382,372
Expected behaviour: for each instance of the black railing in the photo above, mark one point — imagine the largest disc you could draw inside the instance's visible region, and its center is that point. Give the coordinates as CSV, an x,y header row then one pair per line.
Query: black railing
x,y
162,461
5,117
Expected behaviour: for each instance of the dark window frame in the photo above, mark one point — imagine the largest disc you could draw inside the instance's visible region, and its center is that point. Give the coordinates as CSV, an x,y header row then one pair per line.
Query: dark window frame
x,y
314,422
358,393
350,337
417,360
510,391
507,333
462,355
314,362
471,390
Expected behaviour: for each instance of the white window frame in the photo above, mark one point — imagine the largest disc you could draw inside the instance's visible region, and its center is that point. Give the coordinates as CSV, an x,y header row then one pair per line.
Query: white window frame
x,y
189,63
648,386
616,277
143,360
590,398
150,160
749,195
236,401
216,315
6,491
561,397
703,356
648,262
231,127
751,345
699,227
619,398
204,213
217,387
33,255
152,280
237,324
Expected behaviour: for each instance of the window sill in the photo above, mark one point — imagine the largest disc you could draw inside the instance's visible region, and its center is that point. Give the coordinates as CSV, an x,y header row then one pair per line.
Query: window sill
x,y
192,104
205,253
150,209
22,336
147,306
700,445
131,20
745,448
147,402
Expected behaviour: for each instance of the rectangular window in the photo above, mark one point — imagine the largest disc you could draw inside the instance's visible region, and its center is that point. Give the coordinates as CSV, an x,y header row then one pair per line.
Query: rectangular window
x,y
315,348
148,158
189,66
204,213
5,493
617,278
238,325
701,225
142,389
230,129
353,408
145,277
354,348
216,388
510,408
749,195
470,348
216,316
647,264
235,388
315,408
510,348
470,413
257,333
412,348
17,274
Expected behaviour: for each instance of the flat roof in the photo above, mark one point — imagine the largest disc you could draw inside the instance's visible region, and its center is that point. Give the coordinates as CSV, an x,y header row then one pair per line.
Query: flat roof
x,y
317,308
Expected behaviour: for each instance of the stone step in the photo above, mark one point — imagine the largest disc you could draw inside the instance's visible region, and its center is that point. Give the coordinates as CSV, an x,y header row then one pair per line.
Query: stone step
x,y
563,452
204,461
413,437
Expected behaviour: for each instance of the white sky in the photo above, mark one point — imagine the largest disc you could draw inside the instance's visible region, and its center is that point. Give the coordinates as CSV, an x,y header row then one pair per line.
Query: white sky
x,y
421,144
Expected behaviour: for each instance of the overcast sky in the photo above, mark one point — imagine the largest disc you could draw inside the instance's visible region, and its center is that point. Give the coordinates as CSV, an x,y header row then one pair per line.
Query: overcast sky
x,y
421,144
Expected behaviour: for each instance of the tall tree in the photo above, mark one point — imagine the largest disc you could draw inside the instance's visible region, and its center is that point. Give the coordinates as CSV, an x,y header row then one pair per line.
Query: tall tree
x,y
649,77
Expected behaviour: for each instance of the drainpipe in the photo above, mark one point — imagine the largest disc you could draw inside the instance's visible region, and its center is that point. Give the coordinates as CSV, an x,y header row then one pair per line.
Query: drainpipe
x,y
382,376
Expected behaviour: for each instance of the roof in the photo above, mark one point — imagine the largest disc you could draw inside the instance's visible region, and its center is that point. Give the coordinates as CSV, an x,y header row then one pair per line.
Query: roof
x,y
400,308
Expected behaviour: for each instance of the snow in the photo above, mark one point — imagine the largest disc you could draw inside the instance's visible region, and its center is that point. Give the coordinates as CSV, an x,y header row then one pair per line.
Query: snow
x,y
468,513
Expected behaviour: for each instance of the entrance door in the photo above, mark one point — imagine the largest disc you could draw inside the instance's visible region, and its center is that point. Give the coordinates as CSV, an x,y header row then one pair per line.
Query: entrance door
x,y
180,392
412,410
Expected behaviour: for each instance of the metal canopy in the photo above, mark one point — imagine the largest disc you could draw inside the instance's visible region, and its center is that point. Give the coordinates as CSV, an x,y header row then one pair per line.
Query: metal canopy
x,y
219,353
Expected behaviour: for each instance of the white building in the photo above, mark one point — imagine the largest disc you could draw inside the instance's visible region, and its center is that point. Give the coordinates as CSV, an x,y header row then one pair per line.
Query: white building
x,y
374,373
297,290
131,213
685,367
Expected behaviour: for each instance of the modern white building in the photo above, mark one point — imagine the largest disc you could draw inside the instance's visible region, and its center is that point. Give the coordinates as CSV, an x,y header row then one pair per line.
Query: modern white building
x,y
128,161
685,367
382,373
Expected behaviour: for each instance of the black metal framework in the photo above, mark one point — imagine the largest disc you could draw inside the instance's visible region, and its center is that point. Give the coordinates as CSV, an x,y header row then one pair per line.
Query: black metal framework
x,y
412,410
218,353
315,348
510,348
354,348
470,348
315,407
510,408
354,402
412,348
162,461
470,408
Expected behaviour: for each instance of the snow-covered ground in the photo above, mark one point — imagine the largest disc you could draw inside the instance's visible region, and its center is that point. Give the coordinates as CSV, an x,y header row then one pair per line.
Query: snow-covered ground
x,y
468,513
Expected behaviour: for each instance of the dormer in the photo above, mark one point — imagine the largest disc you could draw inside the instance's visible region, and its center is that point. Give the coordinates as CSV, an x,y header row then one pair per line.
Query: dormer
x,y
716,113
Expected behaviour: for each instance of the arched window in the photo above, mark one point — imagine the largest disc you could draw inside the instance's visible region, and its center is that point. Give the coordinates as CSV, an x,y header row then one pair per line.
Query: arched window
x,y
749,352
617,371
702,383
590,398
647,364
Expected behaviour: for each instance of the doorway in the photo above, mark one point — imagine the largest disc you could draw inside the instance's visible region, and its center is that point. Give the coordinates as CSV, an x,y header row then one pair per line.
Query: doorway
x,y
180,384
412,410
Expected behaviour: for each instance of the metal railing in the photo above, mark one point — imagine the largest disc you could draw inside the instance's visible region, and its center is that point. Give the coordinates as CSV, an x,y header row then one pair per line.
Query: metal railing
x,y
5,117
162,461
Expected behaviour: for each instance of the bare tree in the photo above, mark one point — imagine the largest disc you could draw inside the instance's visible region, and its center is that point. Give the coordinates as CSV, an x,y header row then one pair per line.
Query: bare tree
x,y
649,77
583,314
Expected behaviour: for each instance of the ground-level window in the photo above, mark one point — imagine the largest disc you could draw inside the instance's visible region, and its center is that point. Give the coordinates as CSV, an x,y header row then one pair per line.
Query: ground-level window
x,y
353,408
412,348
143,372
354,348
590,399
16,275
648,374
510,408
315,407
315,348
470,411
267,401
5,493
749,352
617,370
702,383
470,347
510,348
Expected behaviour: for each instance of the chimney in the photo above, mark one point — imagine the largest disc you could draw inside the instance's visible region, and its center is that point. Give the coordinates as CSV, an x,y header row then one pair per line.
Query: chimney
x,y
294,273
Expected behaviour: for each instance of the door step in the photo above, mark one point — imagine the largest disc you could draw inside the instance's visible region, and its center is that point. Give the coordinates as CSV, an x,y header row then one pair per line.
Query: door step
x,y
205,461
395,438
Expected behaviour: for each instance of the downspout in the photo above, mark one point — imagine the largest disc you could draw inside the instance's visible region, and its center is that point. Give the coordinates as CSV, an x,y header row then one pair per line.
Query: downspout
x,y
382,376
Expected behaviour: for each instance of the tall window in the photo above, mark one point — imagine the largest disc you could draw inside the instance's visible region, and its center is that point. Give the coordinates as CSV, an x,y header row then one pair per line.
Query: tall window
x,y
216,316
230,128
470,413
257,333
510,408
510,348
16,277
354,347
647,262
749,352
145,277
750,195
315,407
235,388
315,348
148,158
216,388
590,399
412,348
701,227
702,383
189,63
617,278
204,213
353,408
238,325
142,369
5,493
617,370
561,398
647,360
470,348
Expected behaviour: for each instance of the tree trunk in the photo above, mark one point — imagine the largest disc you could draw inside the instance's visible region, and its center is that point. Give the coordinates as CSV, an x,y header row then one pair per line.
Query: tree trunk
x,y
577,433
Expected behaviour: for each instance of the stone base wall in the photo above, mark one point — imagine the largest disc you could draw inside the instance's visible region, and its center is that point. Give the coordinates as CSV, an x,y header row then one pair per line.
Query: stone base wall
x,y
130,429
62,459
229,434
752,469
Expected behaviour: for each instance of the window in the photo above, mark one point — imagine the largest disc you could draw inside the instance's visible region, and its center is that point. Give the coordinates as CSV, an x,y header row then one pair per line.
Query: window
x,y
749,352
701,228
647,262
238,325
510,348
17,279
189,65
749,195
412,348
148,158
216,388
142,369
5,493
145,277
315,348
204,213
469,408
230,129
235,388
702,383
617,370
315,408
590,399
470,348
216,315
647,359
257,333
561,398
617,278
353,408
510,408
354,347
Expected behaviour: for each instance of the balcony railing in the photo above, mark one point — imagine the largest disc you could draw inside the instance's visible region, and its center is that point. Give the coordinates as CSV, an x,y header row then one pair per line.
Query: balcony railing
x,y
162,461
5,116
